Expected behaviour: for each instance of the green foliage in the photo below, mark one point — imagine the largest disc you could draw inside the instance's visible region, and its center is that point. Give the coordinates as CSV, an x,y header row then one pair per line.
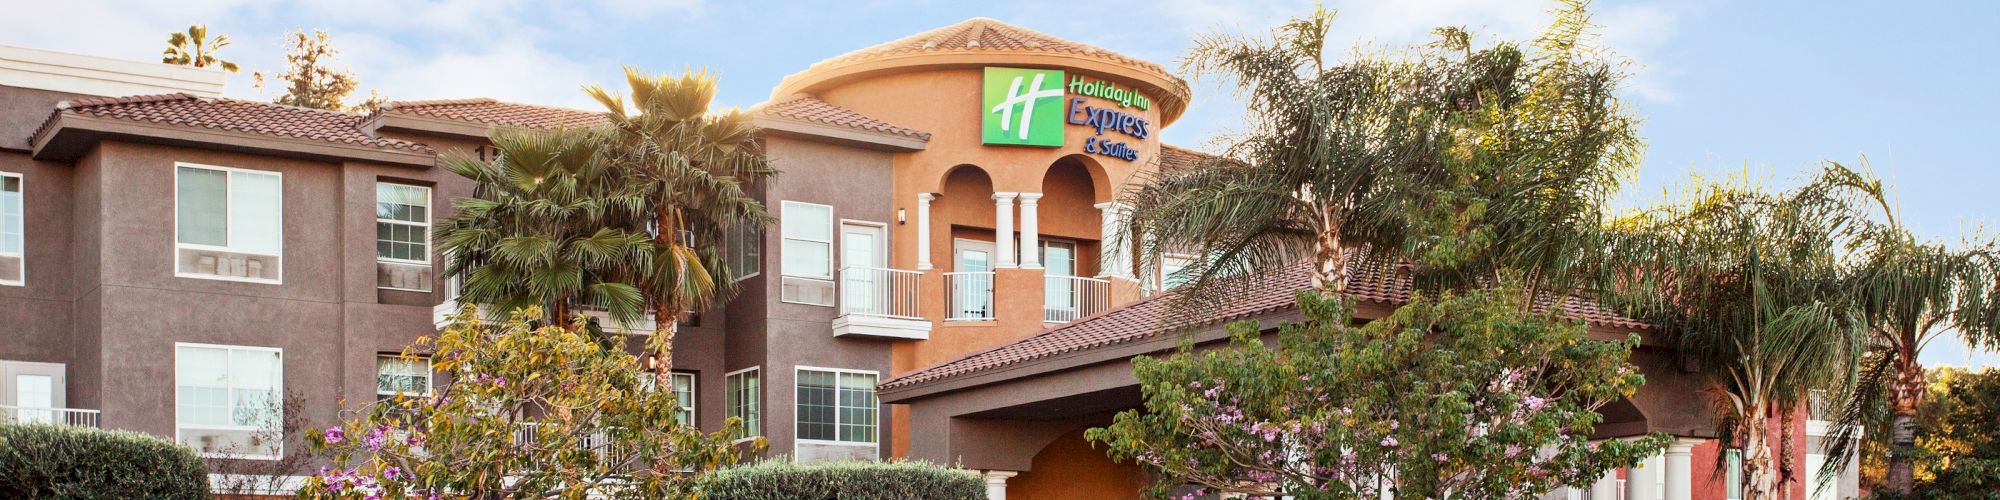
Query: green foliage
x,y
1458,396
528,413
784,480
49,461
1959,435
311,81
195,48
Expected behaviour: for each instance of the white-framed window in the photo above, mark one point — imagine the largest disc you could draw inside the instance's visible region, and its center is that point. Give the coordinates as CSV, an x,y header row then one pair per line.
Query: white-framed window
x,y
837,405
402,223
684,396
1732,462
743,250
395,374
1170,270
224,396
806,257
13,230
745,400
228,223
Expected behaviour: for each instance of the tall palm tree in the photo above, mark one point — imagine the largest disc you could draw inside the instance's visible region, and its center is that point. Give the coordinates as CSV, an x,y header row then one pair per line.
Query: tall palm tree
x,y
696,167
553,223
194,48
1464,162
1751,285
1912,292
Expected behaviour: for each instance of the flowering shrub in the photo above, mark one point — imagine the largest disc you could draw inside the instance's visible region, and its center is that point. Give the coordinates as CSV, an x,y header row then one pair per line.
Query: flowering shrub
x,y
1455,397
528,413
52,461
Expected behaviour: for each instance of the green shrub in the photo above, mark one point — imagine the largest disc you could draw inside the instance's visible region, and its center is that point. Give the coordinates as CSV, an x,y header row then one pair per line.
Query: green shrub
x,y
779,479
49,461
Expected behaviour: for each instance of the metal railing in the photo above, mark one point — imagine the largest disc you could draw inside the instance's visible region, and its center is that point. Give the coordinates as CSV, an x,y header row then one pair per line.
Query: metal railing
x,y
875,291
971,296
1066,298
596,442
58,416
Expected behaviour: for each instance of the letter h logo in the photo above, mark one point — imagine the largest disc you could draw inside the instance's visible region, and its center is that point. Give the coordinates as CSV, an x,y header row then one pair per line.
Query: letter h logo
x,y
1022,107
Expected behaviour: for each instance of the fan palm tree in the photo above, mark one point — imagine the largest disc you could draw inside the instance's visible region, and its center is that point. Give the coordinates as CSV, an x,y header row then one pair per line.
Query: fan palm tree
x,y
1752,285
695,167
1912,292
194,48
552,224
1464,162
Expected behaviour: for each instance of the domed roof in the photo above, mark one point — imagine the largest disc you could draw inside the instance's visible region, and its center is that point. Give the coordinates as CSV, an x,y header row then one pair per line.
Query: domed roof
x,y
981,41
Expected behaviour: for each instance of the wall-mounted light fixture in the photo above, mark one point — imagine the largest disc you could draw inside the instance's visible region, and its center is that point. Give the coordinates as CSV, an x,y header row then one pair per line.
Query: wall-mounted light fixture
x,y
901,216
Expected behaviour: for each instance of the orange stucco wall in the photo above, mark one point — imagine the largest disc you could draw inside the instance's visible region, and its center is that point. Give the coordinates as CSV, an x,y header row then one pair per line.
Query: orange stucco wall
x,y
1071,468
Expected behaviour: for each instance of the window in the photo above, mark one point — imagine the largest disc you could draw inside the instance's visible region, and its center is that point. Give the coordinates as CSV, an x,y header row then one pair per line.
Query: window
x,y
395,374
742,252
1170,270
228,223
225,395
837,405
807,255
743,401
1733,463
684,396
402,223
13,232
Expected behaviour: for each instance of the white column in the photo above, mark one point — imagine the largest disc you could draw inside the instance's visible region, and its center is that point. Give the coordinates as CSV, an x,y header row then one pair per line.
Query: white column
x,y
1680,469
1606,488
924,230
1031,235
996,483
1003,228
1640,480
1115,261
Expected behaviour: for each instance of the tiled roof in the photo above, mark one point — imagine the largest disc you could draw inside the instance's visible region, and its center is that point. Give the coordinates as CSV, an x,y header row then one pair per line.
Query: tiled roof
x,y
486,110
1369,282
984,34
811,109
1178,158
232,115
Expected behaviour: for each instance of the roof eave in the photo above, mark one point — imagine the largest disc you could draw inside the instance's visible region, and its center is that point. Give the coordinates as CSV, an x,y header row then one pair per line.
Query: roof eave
x,y
70,135
850,136
1174,93
397,121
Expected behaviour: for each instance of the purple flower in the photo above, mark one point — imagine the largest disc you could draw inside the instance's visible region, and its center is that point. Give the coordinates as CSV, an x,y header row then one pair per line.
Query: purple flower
x,y
334,435
377,437
1439,457
1389,441
1536,403
392,473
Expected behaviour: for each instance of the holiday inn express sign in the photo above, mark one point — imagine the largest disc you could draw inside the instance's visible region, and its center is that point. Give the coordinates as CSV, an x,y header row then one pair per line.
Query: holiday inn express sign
x,y
1029,107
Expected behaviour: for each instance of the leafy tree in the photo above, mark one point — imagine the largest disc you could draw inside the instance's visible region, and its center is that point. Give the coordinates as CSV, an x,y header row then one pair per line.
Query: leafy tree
x,y
528,413
1751,284
695,167
1458,396
1960,434
195,48
553,223
311,81
1911,292
1464,161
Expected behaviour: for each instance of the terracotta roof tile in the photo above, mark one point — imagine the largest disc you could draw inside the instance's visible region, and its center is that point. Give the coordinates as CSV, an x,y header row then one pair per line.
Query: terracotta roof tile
x,y
486,110
1178,158
1369,282
811,109
982,33
232,115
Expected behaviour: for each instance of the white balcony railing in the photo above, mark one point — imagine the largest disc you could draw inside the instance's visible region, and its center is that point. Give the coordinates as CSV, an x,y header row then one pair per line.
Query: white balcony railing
x,y
58,416
971,296
1066,298
879,292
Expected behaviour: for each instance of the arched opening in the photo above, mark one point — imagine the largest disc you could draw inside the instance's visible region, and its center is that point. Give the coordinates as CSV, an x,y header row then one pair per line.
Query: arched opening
x,y
1070,220
1070,467
967,210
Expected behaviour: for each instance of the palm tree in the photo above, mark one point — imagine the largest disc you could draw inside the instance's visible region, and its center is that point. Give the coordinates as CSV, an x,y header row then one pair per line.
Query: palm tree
x,y
695,167
553,223
194,48
1464,162
1912,292
1751,285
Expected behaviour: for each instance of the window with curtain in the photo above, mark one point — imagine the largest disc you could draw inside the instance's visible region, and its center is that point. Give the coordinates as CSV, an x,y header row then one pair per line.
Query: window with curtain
x,y
837,405
228,223
225,395
743,401
402,223
13,230
684,396
399,375
741,250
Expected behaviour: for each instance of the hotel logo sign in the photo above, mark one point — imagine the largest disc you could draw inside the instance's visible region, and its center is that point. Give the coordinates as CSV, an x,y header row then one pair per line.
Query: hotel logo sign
x,y
1023,107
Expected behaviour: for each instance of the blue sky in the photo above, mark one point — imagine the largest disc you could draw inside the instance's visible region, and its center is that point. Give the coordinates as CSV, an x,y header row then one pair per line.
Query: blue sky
x,y
1764,88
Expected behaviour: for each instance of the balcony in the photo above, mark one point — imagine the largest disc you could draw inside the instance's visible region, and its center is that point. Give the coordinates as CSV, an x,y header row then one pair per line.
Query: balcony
x,y
1066,298
880,302
971,296
57,416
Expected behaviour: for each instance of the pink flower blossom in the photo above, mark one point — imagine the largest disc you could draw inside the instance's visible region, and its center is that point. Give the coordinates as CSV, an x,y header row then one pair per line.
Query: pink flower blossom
x,y
1389,441
334,435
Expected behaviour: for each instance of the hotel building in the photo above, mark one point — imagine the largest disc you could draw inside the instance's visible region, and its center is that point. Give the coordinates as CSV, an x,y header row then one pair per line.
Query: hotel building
x,y
937,286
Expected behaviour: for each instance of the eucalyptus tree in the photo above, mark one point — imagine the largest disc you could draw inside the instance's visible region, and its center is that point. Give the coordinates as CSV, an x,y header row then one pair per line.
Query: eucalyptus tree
x,y
1467,162
1753,287
1912,292
194,48
552,223
696,168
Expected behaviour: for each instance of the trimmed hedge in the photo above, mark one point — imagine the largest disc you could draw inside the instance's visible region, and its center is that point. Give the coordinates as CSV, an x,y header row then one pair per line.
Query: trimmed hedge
x,y
780,479
50,461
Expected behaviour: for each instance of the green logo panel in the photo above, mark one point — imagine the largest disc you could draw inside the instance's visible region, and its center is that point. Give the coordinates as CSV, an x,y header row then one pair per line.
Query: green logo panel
x,y
1022,107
